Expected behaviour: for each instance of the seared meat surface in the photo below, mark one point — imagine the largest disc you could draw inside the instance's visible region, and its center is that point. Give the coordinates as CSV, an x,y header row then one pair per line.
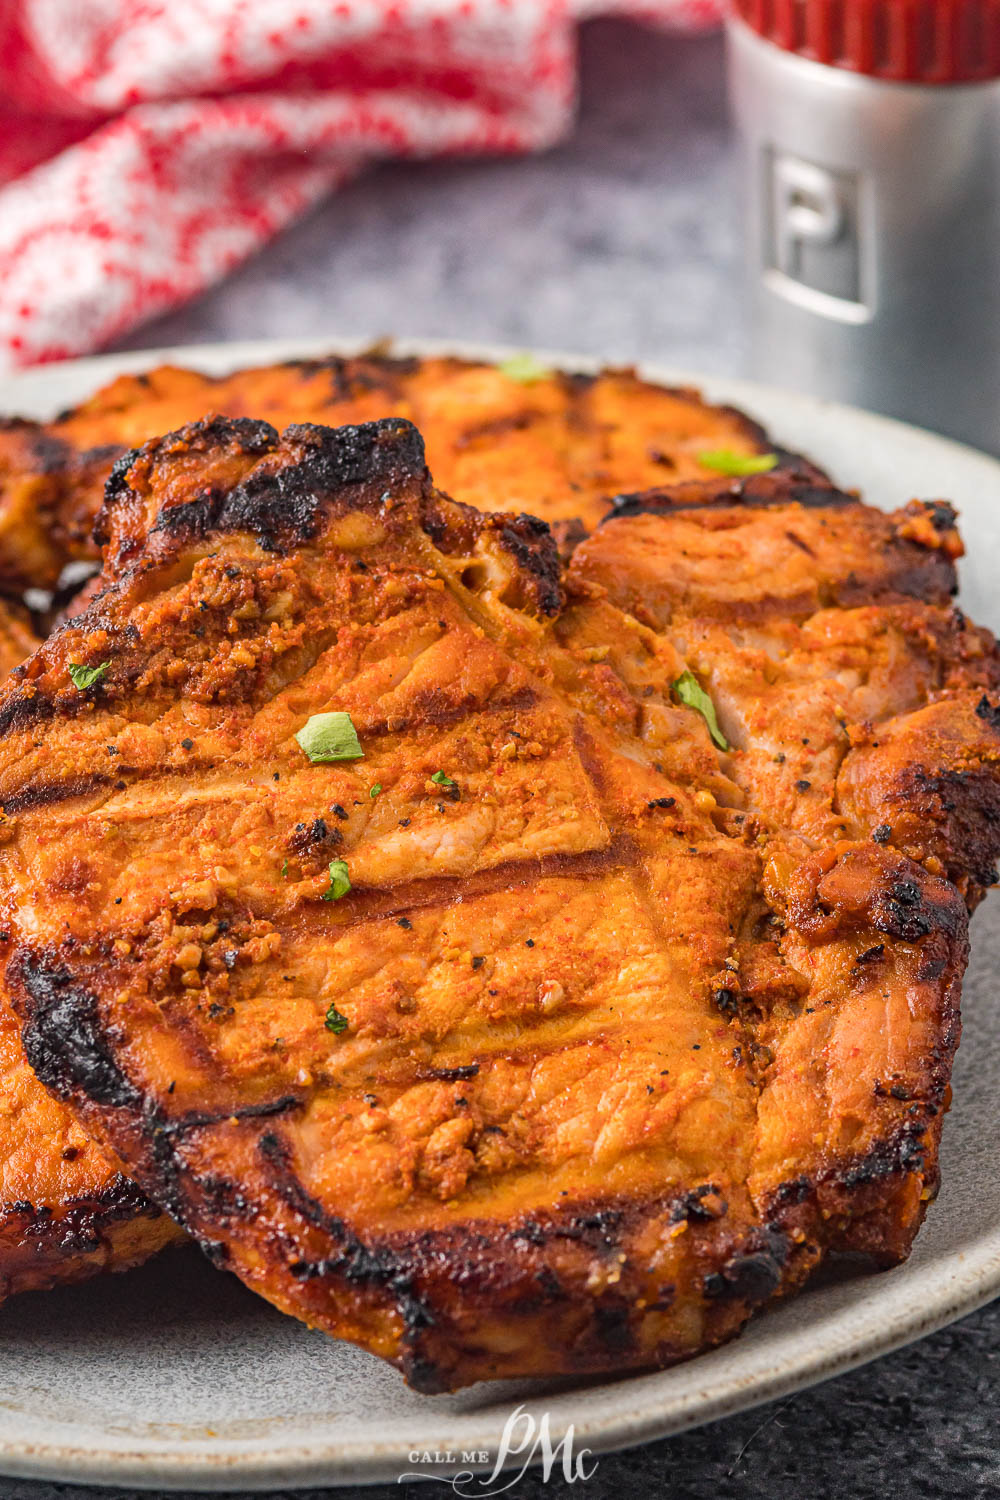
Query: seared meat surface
x,y
851,688
557,446
546,1031
65,1210
860,707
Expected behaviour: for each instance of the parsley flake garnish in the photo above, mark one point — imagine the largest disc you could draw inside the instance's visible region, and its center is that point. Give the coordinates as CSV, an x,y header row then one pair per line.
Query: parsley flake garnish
x,y
440,779
327,737
335,1022
340,881
690,691
284,870
727,461
87,677
524,368
374,791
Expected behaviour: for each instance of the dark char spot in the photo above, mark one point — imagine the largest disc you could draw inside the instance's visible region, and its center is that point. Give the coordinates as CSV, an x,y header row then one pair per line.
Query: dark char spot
x,y
63,1040
282,509
989,713
750,1276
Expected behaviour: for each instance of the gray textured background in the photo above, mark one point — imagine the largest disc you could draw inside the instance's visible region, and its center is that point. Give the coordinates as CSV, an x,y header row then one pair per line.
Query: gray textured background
x,y
622,242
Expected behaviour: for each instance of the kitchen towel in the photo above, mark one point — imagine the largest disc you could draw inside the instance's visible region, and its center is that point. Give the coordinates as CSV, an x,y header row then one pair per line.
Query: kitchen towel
x,y
147,148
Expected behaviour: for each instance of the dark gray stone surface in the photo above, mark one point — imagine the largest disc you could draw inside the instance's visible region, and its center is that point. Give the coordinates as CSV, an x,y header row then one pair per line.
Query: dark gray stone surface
x,y
623,242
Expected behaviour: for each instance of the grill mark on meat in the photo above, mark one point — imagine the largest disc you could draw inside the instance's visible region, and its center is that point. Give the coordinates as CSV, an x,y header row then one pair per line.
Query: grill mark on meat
x,y
495,427
48,793
431,713
45,1246
282,509
776,488
402,1262
390,902
78,1225
393,901
899,1155
205,1119
116,486
58,1223
26,708
352,1260
63,1039
435,711
396,1263
367,372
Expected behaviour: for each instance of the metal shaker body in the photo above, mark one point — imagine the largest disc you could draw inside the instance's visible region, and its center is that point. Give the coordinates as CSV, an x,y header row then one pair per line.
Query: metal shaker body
x,y
873,236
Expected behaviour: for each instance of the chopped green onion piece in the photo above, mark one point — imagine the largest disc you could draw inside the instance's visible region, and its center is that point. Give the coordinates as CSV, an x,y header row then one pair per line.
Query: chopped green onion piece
x,y
327,737
374,791
340,881
689,691
284,870
86,677
335,1022
442,780
524,368
726,461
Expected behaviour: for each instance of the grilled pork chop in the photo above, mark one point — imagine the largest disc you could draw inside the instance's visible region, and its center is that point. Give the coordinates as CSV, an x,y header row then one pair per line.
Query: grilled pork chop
x,y
861,711
525,1040
65,1210
552,444
849,685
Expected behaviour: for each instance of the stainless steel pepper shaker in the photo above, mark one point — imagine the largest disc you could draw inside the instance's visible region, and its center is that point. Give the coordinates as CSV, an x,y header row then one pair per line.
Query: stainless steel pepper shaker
x,y
870,140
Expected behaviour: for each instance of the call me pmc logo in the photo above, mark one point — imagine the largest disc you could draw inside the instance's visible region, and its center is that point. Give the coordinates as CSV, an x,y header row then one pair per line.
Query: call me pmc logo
x,y
524,1442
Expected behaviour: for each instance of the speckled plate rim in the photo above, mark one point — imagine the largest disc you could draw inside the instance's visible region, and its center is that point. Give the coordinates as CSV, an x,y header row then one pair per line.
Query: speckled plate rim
x,y
870,1317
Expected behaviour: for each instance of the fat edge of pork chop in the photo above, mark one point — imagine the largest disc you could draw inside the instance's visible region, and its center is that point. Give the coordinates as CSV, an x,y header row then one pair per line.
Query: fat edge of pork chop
x,y
552,444
484,1112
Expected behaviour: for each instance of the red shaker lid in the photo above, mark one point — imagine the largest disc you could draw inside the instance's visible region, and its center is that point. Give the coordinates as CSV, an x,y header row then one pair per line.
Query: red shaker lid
x,y
909,41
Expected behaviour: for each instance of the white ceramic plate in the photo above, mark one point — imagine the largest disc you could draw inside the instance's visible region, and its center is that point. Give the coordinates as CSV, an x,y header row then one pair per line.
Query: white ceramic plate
x,y
175,1376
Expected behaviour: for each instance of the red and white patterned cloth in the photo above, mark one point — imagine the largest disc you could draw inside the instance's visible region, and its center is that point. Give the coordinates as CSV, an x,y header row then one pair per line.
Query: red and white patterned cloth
x,y
146,148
